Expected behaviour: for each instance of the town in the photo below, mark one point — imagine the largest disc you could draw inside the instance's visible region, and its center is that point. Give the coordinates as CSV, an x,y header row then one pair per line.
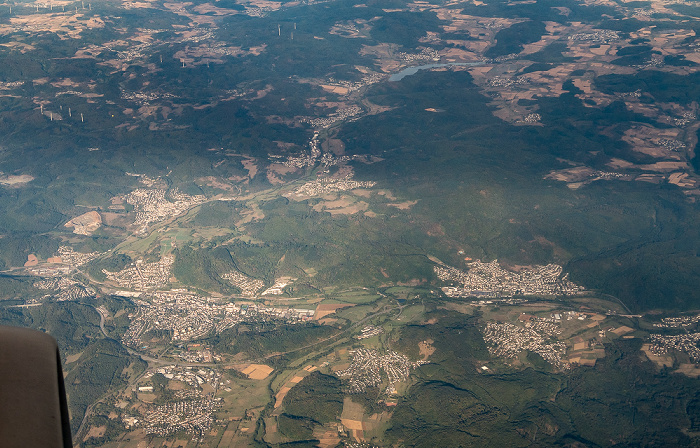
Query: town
x,y
186,316
490,280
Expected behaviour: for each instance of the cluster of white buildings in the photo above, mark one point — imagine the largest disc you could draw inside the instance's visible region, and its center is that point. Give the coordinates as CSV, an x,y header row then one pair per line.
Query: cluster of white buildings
x,y
50,271
426,54
305,159
491,280
544,327
335,117
278,288
369,331
327,185
191,410
133,52
301,161
10,85
64,288
685,119
193,416
596,36
341,28
368,365
508,340
72,258
352,86
670,144
204,355
195,377
532,118
143,98
254,11
686,343
331,160
500,81
678,322
248,285
655,61
196,35
609,175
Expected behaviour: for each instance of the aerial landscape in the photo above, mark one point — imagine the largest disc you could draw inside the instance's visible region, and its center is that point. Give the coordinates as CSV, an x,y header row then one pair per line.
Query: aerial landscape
x,y
357,223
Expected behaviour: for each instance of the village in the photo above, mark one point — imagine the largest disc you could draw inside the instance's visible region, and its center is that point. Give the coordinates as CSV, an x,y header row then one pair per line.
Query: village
x,y
509,340
142,276
62,289
152,205
368,365
248,285
191,409
327,185
305,160
192,416
426,54
678,322
491,280
369,331
335,117
684,343
345,87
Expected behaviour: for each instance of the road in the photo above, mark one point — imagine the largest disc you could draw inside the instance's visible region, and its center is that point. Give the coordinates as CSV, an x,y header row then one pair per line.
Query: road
x,y
350,328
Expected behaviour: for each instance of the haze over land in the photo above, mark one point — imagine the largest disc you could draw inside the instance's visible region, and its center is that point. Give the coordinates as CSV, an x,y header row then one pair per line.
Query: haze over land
x,y
357,224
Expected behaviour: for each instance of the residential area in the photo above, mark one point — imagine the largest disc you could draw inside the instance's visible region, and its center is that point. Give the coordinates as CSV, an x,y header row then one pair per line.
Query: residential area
x,y
509,340
678,322
335,117
155,205
327,185
684,343
186,316
193,416
248,285
143,276
190,409
369,369
64,288
491,280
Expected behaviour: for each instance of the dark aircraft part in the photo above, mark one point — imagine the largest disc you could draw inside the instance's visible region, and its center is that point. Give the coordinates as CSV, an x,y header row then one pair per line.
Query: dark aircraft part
x,y
33,408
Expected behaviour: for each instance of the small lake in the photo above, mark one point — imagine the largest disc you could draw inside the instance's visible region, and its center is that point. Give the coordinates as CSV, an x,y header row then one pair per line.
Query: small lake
x,y
413,70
